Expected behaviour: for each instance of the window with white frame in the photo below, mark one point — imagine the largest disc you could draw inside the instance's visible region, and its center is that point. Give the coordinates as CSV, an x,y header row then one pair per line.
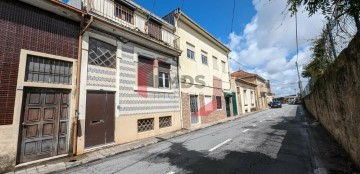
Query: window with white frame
x,y
218,102
215,63
204,58
245,97
164,75
223,66
252,98
208,103
190,51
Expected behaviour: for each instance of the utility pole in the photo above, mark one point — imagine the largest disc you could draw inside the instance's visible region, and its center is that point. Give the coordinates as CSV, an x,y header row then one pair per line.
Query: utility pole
x,y
300,84
297,57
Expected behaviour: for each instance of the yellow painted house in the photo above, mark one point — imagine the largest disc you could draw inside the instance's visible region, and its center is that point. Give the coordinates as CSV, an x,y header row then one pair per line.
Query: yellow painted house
x,y
204,73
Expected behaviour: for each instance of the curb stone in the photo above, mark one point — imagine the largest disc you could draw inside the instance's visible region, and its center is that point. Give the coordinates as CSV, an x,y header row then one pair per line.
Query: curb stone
x,y
65,163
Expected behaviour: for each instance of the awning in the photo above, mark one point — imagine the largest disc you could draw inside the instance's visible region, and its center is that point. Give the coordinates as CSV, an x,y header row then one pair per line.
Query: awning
x,y
228,94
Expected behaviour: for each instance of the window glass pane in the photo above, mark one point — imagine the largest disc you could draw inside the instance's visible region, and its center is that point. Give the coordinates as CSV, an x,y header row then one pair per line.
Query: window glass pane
x,y
193,103
102,54
167,83
215,64
218,102
161,81
190,54
223,66
208,103
204,59
190,51
245,98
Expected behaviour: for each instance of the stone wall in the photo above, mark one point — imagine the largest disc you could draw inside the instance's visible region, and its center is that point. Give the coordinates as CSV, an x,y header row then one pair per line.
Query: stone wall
x,y
335,99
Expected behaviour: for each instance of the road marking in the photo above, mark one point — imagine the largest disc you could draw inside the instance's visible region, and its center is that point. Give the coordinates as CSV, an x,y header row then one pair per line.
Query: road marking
x,y
219,145
261,121
254,125
171,172
246,130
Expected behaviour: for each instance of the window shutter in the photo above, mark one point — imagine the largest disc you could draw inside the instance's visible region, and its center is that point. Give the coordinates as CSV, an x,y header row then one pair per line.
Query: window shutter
x,y
164,67
154,30
145,72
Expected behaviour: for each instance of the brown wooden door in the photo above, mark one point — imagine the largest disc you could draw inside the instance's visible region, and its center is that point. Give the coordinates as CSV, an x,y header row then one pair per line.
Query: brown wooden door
x,y
100,115
44,124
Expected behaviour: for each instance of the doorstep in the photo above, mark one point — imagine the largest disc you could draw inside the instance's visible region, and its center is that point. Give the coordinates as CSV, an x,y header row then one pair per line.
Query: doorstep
x,y
67,162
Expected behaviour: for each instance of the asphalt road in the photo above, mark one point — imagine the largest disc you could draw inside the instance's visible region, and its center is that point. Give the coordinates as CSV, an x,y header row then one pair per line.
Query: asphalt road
x,y
272,141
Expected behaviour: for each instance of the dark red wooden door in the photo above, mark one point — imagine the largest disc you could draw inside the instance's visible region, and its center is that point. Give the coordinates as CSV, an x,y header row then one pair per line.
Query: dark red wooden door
x,y
44,124
100,115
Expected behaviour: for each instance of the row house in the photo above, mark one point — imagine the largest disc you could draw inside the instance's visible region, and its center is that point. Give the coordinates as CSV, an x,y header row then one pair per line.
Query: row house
x,y
245,95
204,73
85,74
39,47
262,91
129,86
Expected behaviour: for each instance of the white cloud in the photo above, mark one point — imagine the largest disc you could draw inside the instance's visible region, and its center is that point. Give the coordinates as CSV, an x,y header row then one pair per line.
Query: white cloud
x,y
267,46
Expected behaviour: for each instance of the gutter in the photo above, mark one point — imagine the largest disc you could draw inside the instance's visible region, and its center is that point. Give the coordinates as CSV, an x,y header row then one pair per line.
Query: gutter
x,y
77,97
57,2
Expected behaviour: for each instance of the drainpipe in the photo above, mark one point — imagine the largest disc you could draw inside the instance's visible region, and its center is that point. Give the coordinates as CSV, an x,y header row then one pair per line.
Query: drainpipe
x,y
77,97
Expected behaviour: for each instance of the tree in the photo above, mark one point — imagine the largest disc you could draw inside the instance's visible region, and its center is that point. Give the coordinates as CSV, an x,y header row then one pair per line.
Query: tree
x,y
321,58
330,8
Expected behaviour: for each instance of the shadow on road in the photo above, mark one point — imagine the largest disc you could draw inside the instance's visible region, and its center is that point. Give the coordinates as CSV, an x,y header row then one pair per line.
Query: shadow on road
x,y
295,154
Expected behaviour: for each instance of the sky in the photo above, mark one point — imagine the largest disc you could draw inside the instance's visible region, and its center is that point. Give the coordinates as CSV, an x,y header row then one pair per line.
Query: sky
x,y
262,37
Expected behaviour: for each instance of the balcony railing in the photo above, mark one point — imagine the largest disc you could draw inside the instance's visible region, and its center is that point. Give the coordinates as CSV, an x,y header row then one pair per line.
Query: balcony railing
x,y
125,17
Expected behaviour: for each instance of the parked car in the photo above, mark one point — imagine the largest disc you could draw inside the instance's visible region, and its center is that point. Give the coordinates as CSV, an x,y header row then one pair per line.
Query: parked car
x,y
276,104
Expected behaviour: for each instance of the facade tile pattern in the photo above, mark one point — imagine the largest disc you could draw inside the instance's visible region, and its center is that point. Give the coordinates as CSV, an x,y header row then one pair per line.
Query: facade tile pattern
x,y
26,27
132,102
101,76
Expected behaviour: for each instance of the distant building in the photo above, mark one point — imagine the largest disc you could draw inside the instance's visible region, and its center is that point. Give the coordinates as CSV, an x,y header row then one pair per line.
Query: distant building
x,y
263,91
245,95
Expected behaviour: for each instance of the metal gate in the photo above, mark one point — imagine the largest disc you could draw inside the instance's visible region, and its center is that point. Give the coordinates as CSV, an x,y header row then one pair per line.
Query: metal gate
x,y
44,128
194,109
100,118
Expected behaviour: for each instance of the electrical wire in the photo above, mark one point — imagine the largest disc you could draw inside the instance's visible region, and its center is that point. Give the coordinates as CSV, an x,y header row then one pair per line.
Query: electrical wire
x,y
239,63
182,4
233,15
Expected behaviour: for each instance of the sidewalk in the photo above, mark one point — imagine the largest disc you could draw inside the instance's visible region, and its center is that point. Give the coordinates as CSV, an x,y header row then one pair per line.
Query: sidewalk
x,y
68,162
